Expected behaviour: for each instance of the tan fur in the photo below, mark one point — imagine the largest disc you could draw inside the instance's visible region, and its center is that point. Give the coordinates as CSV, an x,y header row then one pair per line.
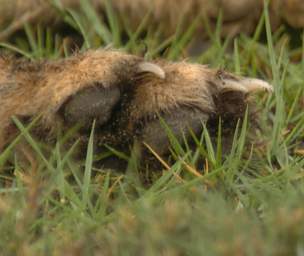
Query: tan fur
x,y
184,84
28,89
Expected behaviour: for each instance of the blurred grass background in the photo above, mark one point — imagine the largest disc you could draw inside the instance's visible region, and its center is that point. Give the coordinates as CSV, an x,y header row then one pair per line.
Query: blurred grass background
x,y
248,202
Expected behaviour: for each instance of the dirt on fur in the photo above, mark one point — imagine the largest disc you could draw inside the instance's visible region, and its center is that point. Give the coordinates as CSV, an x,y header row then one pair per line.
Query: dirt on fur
x,y
123,93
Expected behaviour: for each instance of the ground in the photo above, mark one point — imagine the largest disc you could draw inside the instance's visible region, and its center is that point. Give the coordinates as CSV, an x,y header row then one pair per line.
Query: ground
x,y
248,201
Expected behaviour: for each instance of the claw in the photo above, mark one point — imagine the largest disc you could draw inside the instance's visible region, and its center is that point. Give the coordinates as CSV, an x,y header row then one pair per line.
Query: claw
x,y
247,85
152,68
256,85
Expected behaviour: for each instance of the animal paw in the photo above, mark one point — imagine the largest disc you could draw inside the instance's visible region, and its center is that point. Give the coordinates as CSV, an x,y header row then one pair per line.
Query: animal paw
x,y
125,95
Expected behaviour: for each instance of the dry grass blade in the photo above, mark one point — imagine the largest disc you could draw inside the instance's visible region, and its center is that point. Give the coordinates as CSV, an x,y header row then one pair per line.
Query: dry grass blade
x,y
163,162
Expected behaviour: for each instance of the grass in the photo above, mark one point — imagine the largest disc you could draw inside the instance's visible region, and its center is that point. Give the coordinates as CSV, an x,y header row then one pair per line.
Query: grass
x,y
246,202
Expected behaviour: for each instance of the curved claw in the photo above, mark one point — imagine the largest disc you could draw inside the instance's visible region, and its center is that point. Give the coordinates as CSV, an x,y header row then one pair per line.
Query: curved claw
x,y
254,85
247,85
151,68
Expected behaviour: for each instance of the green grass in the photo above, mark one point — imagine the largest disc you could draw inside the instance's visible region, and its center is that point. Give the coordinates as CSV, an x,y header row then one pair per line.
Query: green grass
x,y
246,202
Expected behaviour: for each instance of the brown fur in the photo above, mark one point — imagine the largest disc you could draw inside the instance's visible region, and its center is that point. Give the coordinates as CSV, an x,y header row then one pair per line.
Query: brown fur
x,y
28,89
125,94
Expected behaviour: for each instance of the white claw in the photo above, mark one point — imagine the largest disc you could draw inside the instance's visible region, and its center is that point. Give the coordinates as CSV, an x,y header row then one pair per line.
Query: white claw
x,y
152,68
255,85
232,85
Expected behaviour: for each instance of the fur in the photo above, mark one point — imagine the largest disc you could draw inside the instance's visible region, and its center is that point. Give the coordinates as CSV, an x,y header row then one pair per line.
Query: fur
x,y
122,92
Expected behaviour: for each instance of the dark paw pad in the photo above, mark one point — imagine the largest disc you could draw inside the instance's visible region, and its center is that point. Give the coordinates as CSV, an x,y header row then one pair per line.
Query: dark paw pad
x,y
179,122
93,103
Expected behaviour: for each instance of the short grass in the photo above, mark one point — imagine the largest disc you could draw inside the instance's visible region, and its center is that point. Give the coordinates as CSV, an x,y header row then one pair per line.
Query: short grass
x,y
247,202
